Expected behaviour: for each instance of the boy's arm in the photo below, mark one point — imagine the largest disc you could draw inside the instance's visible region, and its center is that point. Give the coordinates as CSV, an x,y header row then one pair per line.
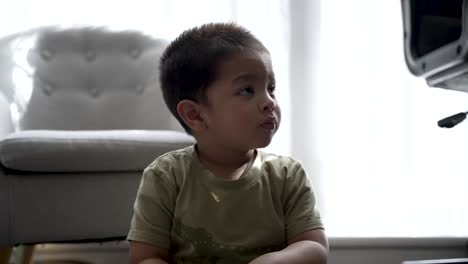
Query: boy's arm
x,y
142,253
308,247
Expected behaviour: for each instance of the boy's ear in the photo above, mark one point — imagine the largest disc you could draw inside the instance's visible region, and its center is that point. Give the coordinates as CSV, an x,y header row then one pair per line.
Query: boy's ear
x,y
189,111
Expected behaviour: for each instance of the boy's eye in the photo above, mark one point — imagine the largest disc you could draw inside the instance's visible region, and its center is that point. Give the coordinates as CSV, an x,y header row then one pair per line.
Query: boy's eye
x,y
247,91
271,88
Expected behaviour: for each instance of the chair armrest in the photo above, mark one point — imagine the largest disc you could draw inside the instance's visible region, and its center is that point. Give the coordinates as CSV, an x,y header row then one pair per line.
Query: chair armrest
x,y
87,151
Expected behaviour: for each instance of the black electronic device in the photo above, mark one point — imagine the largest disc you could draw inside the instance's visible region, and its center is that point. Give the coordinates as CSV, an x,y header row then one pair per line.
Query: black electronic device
x,y
436,41
436,45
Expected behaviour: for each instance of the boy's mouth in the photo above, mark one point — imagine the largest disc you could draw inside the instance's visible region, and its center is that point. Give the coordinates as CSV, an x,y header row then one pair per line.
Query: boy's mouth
x,y
269,124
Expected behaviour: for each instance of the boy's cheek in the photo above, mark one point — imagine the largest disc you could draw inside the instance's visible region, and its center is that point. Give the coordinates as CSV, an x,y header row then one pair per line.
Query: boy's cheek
x,y
278,113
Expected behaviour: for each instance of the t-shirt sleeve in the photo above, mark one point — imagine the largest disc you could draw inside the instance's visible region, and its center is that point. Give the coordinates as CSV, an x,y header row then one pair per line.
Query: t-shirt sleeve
x,y
153,209
301,212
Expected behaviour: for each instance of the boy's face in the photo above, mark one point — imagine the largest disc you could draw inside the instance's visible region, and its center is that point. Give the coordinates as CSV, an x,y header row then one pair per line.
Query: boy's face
x,y
241,109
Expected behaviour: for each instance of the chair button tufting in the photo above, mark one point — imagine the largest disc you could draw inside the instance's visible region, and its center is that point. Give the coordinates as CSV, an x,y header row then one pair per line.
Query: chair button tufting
x,y
46,54
135,53
94,92
47,88
140,88
90,55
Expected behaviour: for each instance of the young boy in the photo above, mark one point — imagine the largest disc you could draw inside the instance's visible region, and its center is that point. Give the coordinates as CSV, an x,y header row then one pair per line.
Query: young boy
x,y
222,200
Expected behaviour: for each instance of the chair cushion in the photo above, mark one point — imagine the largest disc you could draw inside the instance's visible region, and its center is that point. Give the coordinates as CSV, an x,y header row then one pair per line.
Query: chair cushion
x,y
87,151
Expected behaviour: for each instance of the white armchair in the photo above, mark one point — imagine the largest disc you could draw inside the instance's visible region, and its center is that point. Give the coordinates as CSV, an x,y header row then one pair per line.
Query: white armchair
x,y
74,142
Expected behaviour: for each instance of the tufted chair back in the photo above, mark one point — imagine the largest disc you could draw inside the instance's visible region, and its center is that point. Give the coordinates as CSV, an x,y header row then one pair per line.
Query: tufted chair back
x,y
95,79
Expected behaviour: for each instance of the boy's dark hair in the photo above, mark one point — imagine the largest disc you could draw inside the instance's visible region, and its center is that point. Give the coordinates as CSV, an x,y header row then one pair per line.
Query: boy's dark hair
x,y
189,64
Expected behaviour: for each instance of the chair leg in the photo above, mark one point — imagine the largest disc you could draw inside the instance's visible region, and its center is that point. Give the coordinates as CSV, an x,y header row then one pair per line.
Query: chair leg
x,y
24,254
5,254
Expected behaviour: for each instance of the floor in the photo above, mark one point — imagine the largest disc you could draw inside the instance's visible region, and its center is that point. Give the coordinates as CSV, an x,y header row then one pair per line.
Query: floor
x,y
114,252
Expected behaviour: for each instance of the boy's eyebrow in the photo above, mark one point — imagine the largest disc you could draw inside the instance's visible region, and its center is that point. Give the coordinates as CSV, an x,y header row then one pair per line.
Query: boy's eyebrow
x,y
245,77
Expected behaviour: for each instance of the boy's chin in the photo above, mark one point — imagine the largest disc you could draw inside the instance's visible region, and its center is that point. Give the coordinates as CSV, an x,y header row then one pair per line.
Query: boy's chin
x,y
264,144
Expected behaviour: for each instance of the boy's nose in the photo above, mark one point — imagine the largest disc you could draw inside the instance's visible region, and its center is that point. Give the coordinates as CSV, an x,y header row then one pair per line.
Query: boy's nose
x,y
269,104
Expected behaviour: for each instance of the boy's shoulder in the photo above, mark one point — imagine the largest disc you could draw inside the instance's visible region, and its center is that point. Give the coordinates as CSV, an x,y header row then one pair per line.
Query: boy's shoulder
x,y
280,164
276,158
176,159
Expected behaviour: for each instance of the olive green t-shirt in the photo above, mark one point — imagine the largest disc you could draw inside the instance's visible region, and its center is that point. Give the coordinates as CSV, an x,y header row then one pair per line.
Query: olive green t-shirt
x,y
201,218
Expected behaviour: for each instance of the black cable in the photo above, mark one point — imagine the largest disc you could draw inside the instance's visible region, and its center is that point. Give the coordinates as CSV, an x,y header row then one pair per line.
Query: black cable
x,y
453,120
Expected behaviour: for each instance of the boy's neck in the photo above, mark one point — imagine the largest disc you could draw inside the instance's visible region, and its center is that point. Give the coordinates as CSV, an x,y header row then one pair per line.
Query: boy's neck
x,y
226,163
